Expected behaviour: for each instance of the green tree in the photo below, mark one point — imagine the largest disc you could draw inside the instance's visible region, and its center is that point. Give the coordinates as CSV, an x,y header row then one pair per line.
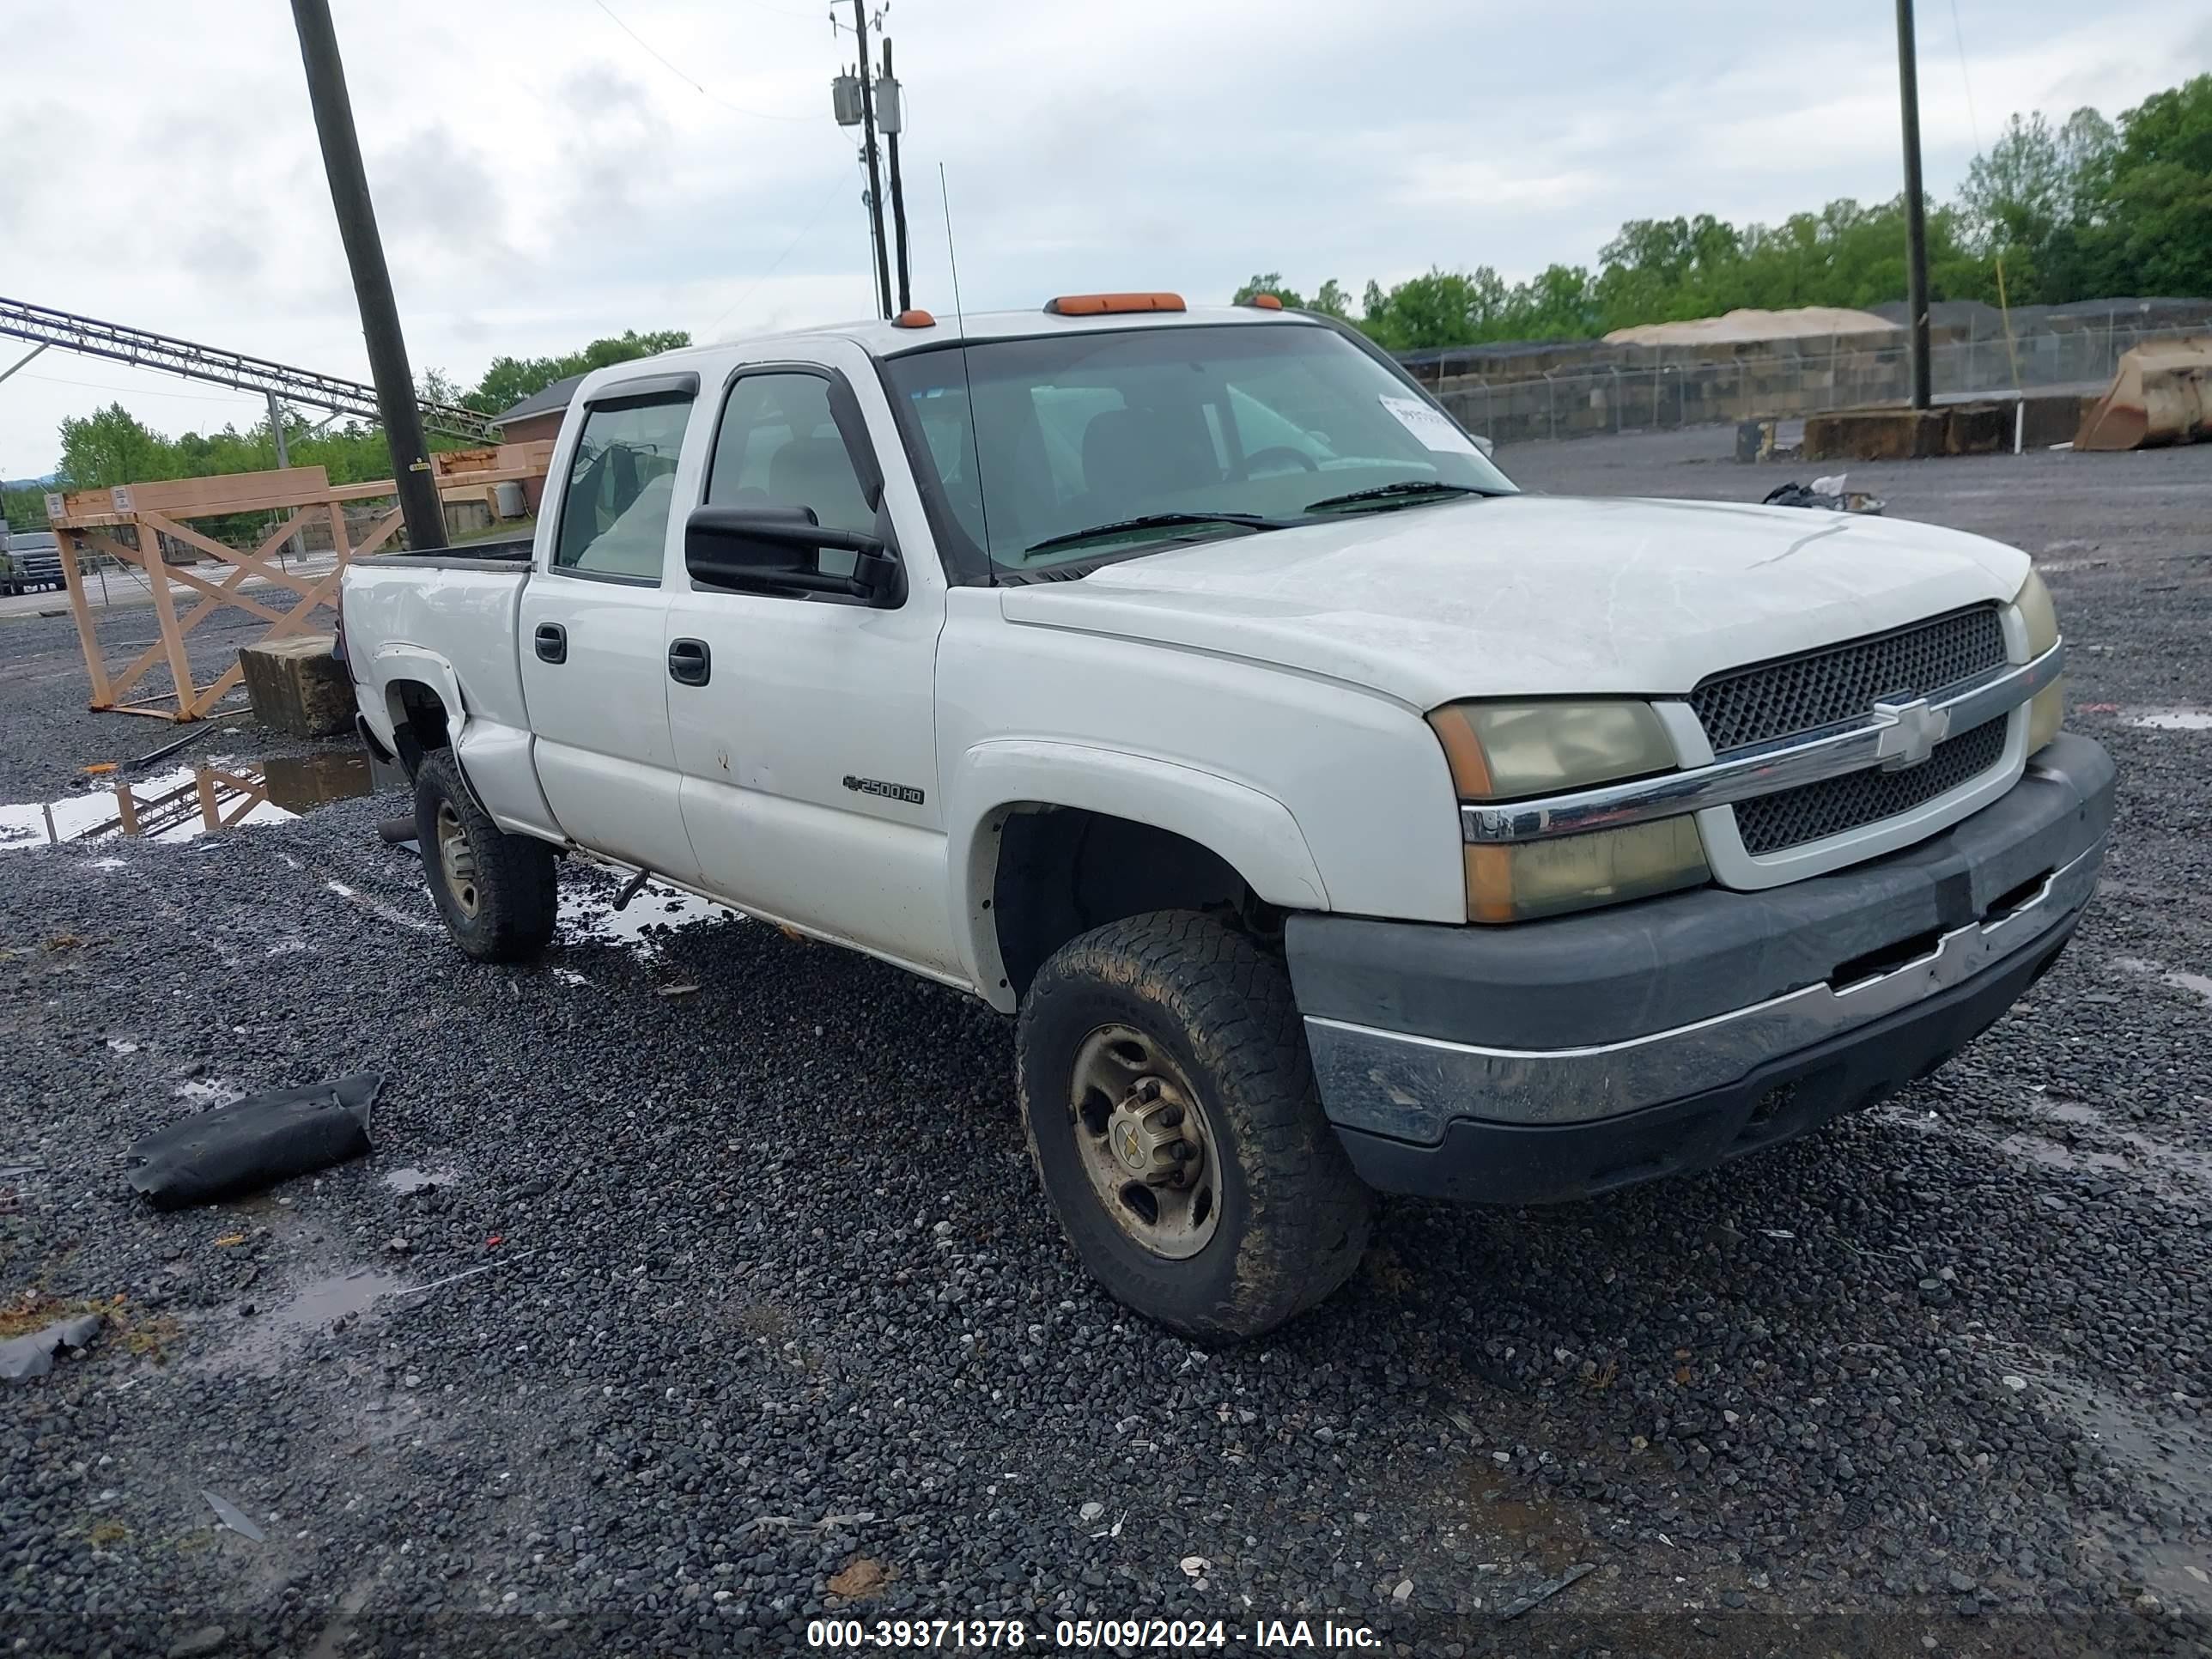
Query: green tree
x,y
113,447
510,380
1331,300
2153,233
1269,282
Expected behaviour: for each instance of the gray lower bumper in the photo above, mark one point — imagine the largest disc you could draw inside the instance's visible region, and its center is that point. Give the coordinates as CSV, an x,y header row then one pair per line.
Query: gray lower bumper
x,y
1414,1027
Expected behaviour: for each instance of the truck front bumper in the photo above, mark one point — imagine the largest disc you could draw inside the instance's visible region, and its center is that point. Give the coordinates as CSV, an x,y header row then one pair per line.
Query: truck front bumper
x,y
1553,1060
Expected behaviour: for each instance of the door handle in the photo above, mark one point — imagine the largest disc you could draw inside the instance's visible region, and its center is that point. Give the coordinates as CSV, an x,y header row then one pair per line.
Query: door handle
x,y
552,642
689,662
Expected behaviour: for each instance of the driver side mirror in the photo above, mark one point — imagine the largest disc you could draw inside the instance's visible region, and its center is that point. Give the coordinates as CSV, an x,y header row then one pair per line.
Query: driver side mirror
x,y
778,549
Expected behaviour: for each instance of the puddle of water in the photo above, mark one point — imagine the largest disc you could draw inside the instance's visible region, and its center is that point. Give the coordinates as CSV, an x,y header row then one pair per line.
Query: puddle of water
x,y
259,1344
2196,984
2078,1112
208,1092
2170,1462
2186,1160
300,783
194,800
411,1180
2200,984
2172,719
122,1045
590,914
2052,1156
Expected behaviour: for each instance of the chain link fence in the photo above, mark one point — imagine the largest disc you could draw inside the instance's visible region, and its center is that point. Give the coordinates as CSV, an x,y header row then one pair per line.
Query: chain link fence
x,y
1779,381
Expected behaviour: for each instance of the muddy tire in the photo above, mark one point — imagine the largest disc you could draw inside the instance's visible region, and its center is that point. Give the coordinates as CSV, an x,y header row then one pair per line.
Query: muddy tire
x,y
497,892
1173,1120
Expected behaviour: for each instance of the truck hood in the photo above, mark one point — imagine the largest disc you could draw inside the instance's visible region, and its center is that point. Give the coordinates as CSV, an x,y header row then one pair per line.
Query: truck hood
x,y
1534,595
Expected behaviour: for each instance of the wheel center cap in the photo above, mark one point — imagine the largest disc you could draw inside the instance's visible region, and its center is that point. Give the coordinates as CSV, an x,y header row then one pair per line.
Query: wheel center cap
x,y
1146,1135
1129,1146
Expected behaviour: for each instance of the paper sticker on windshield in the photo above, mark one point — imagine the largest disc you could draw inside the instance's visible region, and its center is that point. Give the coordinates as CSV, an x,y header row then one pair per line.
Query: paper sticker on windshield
x,y
1434,430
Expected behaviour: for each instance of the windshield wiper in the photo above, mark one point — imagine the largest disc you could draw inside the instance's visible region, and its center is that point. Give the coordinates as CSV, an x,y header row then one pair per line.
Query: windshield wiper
x,y
1408,489
1157,521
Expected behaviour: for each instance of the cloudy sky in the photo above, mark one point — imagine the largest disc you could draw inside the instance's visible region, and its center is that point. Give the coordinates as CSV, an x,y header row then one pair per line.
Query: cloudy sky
x,y
542,178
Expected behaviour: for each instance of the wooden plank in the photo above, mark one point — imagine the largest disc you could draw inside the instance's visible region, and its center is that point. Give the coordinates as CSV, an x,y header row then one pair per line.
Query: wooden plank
x,y
224,774
340,540
205,697
208,809
386,528
126,808
88,633
219,595
229,492
118,683
247,803
164,609
256,561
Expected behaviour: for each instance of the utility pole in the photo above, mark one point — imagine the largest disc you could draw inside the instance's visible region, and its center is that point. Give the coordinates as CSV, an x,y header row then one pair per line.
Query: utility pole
x,y
283,461
416,485
875,179
1915,212
895,125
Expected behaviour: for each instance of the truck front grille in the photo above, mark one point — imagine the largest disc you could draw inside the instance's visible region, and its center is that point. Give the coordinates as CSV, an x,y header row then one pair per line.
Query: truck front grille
x,y
1840,682
1770,824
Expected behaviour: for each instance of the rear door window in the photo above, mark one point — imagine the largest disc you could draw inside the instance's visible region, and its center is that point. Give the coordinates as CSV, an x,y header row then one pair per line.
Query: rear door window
x,y
620,486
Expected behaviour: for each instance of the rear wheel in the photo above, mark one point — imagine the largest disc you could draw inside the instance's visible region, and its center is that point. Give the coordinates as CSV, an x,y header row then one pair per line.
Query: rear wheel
x,y
1174,1122
496,891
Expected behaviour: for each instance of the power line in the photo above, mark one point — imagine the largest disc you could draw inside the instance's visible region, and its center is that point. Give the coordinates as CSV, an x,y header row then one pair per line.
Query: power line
x,y
712,98
837,187
130,390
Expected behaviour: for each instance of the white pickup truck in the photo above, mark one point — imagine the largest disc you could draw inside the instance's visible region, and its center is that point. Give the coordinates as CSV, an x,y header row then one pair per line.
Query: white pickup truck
x,y
1332,816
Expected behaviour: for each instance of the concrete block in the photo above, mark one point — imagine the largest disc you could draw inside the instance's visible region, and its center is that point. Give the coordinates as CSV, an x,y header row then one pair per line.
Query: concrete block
x,y
297,686
1908,434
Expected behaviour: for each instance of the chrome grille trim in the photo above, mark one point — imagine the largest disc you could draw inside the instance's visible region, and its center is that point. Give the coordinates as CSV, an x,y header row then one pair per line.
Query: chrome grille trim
x,y
1765,702
1835,806
1761,769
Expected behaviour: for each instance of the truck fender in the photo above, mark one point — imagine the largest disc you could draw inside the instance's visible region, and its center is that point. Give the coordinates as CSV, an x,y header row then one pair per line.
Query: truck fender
x,y
1254,833
397,661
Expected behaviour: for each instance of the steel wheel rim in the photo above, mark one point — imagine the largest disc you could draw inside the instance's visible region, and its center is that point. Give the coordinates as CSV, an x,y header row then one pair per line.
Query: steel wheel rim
x,y
1146,1145
457,859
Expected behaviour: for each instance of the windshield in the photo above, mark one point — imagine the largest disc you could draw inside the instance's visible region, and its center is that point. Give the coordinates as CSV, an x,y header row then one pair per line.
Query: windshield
x,y
1100,445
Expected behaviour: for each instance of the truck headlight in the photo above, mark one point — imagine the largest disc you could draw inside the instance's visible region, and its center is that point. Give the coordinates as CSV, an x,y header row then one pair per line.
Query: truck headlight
x,y
2047,713
1514,751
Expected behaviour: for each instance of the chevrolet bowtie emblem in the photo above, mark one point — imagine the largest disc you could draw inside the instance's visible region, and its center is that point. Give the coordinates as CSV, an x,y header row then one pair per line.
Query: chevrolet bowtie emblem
x,y
1910,732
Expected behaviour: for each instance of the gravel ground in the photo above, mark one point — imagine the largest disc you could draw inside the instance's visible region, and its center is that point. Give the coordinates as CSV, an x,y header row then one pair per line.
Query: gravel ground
x,y
765,1315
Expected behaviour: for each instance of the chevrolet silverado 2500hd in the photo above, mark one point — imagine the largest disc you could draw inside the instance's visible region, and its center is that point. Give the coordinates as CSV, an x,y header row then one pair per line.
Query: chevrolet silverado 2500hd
x,y
1332,818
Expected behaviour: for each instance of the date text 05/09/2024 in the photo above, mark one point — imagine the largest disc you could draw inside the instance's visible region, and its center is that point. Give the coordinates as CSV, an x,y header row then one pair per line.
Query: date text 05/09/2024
x,y
1078,1635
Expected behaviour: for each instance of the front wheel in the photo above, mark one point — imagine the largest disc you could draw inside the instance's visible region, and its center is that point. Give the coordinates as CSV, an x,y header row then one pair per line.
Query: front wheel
x,y
496,891
1174,1125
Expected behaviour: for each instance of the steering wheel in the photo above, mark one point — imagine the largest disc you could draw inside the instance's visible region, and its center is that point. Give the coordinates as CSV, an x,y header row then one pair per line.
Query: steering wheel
x,y
1280,452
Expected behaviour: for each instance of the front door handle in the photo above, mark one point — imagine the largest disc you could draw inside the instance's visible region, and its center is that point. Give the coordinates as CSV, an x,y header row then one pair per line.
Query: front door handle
x,y
552,642
689,662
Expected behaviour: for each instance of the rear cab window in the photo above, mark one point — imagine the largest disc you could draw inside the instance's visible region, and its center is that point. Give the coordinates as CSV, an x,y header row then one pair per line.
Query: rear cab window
x,y
620,482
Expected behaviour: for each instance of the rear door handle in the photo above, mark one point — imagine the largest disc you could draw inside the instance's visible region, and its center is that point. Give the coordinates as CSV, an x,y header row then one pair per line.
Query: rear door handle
x,y
552,642
689,662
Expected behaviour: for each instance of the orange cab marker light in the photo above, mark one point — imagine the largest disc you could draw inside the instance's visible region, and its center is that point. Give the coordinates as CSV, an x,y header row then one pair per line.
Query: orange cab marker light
x,y
1101,305
1265,302
913,319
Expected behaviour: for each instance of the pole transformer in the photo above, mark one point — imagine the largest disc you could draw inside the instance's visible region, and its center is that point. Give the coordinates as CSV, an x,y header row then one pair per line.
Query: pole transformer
x,y
875,177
